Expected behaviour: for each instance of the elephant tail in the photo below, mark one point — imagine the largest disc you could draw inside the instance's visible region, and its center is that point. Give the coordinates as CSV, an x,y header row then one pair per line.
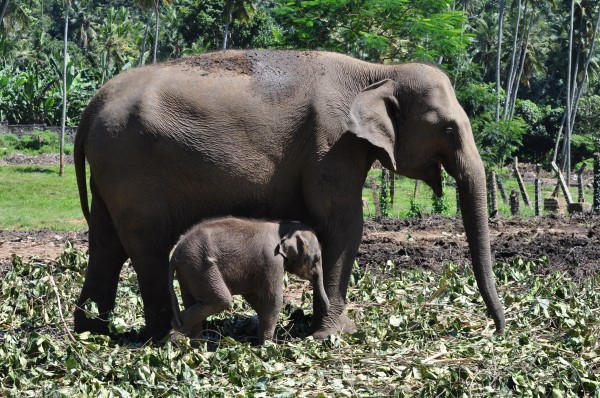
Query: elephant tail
x,y
174,301
79,160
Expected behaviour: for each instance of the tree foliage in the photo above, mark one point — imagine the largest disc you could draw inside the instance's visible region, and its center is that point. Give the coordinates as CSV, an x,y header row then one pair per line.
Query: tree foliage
x,y
380,31
460,36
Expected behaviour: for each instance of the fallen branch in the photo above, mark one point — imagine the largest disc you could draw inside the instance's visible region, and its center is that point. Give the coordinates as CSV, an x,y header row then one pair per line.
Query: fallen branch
x,y
453,360
545,345
60,313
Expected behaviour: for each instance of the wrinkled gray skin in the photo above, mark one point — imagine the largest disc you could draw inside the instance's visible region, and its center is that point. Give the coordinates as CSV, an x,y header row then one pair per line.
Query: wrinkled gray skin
x,y
220,258
263,134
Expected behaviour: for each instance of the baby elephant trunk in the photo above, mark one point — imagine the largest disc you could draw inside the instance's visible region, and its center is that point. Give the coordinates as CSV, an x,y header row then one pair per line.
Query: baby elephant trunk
x,y
176,322
319,291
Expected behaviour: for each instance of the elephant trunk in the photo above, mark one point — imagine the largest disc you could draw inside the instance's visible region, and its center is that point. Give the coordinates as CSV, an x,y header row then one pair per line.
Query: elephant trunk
x,y
470,180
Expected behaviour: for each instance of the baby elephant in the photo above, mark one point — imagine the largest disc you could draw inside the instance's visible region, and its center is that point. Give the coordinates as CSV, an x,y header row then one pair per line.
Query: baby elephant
x,y
222,257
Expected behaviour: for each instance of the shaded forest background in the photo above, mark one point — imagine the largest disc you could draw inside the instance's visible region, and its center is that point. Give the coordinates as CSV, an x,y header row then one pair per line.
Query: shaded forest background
x,y
526,71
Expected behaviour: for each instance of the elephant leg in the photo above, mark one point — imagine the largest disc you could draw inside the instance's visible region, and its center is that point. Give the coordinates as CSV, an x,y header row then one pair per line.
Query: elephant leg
x,y
152,269
340,241
267,308
106,258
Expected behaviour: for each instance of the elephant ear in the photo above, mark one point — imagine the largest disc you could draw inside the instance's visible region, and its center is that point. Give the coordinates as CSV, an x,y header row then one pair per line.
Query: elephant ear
x,y
370,118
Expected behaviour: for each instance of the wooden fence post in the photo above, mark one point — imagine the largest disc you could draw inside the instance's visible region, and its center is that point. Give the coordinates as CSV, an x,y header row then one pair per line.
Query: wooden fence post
x,y
520,182
514,202
375,196
502,189
580,198
416,191
457,201
384,196
596,204
493,195
538,191
392,189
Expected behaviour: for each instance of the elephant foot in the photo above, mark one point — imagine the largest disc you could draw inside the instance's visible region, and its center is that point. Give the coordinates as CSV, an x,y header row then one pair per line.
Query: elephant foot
x,y
158,325
95,325
157,332
343,324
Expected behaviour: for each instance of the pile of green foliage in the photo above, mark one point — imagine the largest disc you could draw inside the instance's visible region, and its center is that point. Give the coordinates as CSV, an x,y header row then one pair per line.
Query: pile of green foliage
x,y
420,334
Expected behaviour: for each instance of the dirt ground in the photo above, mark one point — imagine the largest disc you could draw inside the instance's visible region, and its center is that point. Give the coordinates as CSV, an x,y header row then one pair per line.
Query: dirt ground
x,y
572,244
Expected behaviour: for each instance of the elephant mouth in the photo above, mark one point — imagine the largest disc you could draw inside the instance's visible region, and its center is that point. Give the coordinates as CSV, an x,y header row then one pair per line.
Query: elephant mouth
x,y
434,178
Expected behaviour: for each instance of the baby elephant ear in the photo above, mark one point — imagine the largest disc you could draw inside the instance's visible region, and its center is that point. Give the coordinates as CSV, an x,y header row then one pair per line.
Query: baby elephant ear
x,y
292,246
371,116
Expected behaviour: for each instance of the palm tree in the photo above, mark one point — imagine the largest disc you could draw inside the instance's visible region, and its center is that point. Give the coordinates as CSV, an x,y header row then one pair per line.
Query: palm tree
x,y
4,8
146,27
155,5
15,13
579,91
243,9
569,81
513,59
63,119
85,25
498,58
173,36
114,36
157,14
484,50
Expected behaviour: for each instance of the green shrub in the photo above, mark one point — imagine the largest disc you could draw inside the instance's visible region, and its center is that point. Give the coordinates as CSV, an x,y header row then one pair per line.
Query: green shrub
x,y
415,210
39,140
8,141
33,144
441,205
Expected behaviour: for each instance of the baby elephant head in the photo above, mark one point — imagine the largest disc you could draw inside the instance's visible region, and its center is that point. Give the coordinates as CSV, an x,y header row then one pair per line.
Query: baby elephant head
x,y
302,253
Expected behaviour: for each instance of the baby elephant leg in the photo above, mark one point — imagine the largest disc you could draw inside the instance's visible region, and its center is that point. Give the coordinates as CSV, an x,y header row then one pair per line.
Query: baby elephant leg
x,y
207,300
192,317
267,308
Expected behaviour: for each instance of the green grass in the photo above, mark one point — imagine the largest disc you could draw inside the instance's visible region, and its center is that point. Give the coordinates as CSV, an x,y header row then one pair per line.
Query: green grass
x,y
420,334
405,189
35,197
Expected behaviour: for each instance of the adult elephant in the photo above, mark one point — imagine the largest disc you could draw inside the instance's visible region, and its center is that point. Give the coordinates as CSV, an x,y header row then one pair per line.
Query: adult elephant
x,y
263,134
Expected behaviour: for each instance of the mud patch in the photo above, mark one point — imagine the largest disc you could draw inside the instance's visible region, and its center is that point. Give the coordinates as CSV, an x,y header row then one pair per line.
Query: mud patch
x,y
47,158
570,243
235,62
42,244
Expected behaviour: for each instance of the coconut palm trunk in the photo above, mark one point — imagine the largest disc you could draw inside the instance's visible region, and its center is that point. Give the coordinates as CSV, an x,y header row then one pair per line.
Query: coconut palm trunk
x,y
569,96
156,10
4,8
63,121
499,56
228,18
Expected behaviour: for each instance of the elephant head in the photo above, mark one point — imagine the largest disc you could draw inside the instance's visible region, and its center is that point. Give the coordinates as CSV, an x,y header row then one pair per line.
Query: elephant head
x,y
302,253
417,126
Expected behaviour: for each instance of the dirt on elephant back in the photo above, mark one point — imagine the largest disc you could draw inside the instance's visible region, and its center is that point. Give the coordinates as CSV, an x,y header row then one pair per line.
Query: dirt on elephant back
x,y
572,244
